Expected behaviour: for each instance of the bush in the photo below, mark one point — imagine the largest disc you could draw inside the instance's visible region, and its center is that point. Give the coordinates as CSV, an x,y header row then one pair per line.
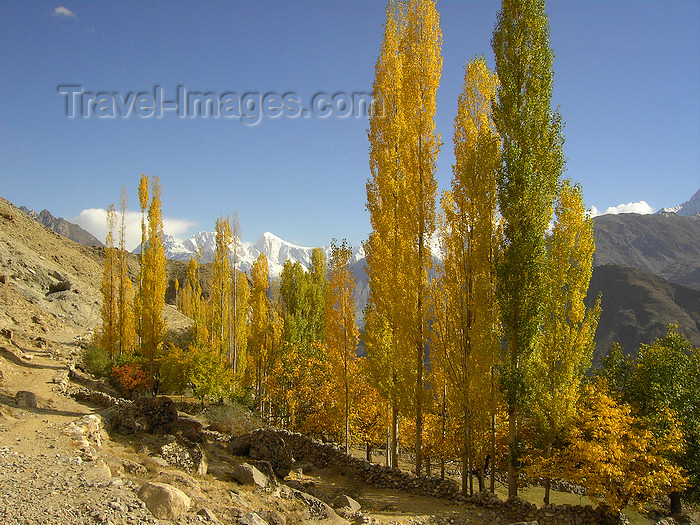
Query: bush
x,y
96,361
130,379
231,419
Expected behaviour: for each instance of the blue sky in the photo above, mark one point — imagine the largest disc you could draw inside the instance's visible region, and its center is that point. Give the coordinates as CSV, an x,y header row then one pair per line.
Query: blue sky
x,y
627,80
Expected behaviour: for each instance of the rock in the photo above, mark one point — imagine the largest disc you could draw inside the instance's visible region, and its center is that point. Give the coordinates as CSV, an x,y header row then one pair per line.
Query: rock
x,y
344,501
62,286
274,518
247,474
239,445
164,501
317,508
200,465
3,279
99,475
208,515
251,519
156,414
6,332
266,468
269,446
25,399
177,455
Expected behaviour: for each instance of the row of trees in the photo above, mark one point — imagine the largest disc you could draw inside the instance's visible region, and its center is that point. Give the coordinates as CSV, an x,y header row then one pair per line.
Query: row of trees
x,y
510,337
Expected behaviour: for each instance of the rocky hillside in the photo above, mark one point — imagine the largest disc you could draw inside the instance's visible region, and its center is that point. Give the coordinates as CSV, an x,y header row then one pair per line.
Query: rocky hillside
x,y
62,226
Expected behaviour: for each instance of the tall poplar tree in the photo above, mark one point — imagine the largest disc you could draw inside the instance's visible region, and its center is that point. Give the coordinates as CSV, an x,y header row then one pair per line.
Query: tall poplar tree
x,y
532,162
221,289
566,349
259,343
466,322
401,201
109,332
341,329
152,298
125,300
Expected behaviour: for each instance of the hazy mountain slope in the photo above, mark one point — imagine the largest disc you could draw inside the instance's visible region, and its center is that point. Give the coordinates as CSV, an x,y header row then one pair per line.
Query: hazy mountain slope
x,y
666,244
63,227
637,307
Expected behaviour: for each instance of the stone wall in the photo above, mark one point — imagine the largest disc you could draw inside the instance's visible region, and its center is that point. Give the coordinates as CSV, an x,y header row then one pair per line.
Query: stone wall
x,y
322,455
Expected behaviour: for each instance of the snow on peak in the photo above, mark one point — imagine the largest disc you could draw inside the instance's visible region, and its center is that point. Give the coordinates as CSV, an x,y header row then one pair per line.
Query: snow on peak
x,y
688,208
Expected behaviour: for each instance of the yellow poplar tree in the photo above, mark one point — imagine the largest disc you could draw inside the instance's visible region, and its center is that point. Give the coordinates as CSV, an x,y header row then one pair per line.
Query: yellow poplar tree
x,y
384,191
341,329
566,347
143,204
401,197
238,309
221,289
466,314
109,333
259,344
127,329
152,300
419,145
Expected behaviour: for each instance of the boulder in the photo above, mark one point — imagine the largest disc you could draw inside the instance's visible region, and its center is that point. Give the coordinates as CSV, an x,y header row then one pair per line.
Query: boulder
x,y
239,445
346,502
247,474
266,468
208,515
157,414
269,446
318,510
25,399
251,519
164,501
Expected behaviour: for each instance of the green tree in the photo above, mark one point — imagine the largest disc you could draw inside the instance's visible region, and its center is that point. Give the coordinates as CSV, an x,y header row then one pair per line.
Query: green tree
x,y
532,163
661,385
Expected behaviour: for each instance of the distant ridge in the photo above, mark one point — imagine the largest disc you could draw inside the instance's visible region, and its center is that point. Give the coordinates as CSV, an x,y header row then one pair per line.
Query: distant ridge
x,y
637,307
665,244
63,227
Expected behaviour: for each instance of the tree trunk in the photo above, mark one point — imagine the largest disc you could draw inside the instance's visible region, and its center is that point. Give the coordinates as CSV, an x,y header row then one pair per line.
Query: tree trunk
x,y
394,436
547,481
676,507
512,447
369,452
466,454
419,407
493,432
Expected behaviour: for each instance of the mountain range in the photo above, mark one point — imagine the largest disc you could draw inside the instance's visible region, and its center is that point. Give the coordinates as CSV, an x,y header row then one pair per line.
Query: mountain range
x,y
646,268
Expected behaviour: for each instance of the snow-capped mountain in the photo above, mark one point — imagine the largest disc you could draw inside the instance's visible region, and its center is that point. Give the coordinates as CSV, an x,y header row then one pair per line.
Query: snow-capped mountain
x,y
276,250
688,208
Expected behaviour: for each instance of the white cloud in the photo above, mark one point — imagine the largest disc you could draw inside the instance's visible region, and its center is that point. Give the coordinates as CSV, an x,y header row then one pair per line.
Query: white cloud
x,y
94,220
641,207
63,12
